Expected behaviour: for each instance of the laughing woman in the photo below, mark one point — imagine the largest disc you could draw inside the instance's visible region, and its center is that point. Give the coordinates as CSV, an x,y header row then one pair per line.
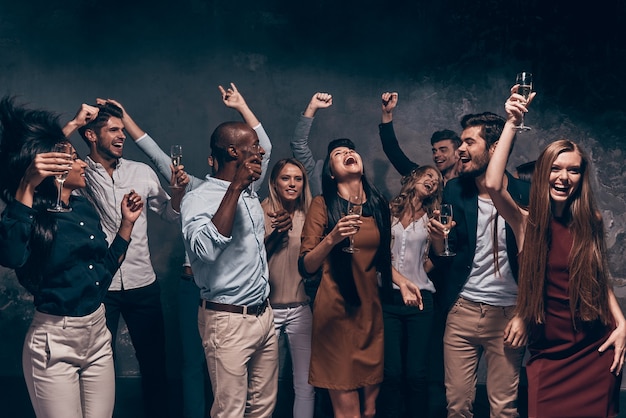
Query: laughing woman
x,y
409,313
577,332
63,259
347,350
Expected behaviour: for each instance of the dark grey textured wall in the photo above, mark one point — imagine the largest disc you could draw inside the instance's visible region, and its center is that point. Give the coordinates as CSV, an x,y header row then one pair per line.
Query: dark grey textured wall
x,y
446,58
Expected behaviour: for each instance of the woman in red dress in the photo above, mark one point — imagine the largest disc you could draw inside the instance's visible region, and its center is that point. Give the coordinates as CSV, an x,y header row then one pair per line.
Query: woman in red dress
x,y
577,332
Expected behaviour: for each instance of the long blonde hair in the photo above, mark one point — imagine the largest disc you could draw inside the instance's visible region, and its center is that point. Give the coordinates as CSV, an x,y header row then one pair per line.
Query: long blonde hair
x,y
405,201
588,267
304,200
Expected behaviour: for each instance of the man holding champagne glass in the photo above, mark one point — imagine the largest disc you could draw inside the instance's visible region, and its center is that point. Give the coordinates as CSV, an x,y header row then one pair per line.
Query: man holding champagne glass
x,y
479,289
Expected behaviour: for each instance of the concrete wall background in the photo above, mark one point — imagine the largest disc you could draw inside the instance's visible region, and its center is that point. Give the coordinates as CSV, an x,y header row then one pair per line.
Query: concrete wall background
x,y
446,58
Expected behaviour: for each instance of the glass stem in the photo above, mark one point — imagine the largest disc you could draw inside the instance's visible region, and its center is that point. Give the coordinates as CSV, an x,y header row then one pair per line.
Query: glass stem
x,y
60,184
445,243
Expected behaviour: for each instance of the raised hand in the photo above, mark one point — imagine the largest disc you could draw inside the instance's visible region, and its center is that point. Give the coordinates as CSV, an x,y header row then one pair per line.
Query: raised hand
x,y
45,165
84,115
389,102
516,105
318,101
247,172
102,102
232,98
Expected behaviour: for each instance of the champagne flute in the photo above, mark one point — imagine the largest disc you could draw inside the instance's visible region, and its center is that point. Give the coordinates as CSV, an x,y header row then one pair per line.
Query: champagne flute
x,y
176,152
525,81
445,217
65,148
355,207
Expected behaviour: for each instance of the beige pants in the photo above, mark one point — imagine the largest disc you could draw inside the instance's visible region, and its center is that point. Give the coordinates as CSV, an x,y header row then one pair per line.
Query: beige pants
x,y
471,330
242,357
68,366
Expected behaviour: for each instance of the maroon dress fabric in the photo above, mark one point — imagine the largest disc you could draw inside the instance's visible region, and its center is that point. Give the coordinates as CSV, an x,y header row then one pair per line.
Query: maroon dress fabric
x,y
567,376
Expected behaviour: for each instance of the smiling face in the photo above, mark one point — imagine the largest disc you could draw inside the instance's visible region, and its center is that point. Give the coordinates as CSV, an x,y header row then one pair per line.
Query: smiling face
x,y
109,139
76,176
345,162
565,177
427,184
445,156
289,184
473,152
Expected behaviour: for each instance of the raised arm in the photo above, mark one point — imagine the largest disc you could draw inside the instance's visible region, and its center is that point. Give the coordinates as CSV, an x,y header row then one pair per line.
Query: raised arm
x,y
234,99
495,179
300,141
392,149
148,146
84,115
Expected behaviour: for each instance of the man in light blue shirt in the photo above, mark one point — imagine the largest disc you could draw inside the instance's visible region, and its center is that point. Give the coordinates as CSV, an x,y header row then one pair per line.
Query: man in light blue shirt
x,y
223,231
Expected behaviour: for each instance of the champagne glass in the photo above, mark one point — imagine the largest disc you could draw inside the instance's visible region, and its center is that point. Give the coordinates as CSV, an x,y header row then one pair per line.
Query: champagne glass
x,y
65,148
176,152
525,81
445,217
355,207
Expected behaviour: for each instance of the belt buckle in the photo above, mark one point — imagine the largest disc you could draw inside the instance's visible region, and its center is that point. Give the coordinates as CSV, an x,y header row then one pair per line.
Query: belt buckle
x,y
258,309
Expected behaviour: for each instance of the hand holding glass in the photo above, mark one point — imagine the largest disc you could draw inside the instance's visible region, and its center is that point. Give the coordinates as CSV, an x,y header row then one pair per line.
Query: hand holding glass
x,y
355,207
176,152
65,148
525,81
445,217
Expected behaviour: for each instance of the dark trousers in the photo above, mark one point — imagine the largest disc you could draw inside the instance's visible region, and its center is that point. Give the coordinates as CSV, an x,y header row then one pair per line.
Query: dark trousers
x,y
404,392
143,314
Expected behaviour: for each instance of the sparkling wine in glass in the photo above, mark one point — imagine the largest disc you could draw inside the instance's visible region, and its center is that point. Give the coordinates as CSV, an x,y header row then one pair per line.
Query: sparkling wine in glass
x,y
445,217
355,207
176,153
65,148
525,81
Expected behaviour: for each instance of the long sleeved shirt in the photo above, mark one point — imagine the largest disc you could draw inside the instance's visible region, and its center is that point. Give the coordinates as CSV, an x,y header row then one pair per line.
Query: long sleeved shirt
x,y
231,269
392,150
80,266
301,152
162,161
136,271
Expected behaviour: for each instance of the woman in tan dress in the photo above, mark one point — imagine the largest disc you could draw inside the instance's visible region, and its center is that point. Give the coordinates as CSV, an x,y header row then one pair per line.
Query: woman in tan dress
x,y
347,342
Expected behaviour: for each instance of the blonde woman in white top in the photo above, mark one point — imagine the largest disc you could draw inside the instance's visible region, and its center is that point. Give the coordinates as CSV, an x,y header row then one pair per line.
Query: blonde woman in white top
x,y
408,313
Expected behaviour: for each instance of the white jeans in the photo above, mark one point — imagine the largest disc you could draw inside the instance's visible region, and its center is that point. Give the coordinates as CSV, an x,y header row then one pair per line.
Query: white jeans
x,y
296,323
68,366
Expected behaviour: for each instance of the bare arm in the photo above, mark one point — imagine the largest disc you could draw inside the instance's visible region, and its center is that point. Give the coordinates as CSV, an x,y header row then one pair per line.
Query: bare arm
x,y
84,115
495,179
411,294
617,339
313,260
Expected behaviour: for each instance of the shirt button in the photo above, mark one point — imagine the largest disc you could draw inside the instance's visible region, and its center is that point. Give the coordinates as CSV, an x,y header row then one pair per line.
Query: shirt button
x,y
91,237
97,283
81,223
91,267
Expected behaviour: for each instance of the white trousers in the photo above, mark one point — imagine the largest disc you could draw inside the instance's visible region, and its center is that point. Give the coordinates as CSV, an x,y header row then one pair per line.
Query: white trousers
x,y
68,366
297,323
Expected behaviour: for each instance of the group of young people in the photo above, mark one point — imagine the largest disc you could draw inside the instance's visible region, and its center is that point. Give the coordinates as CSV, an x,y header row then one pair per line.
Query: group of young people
x,y
393,316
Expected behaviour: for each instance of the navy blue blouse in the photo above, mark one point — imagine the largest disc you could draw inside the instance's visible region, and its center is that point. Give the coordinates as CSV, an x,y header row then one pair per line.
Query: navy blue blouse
x,y
81,265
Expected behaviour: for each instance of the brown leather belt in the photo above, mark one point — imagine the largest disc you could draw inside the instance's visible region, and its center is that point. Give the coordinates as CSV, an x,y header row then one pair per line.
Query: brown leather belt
x,y
256,310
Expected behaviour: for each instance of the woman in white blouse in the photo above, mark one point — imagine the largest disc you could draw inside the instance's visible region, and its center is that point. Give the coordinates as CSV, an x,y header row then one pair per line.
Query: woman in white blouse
x,y
408,313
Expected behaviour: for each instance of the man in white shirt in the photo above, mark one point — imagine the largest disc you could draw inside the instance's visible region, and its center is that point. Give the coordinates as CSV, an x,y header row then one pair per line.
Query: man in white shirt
x,y
134,292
